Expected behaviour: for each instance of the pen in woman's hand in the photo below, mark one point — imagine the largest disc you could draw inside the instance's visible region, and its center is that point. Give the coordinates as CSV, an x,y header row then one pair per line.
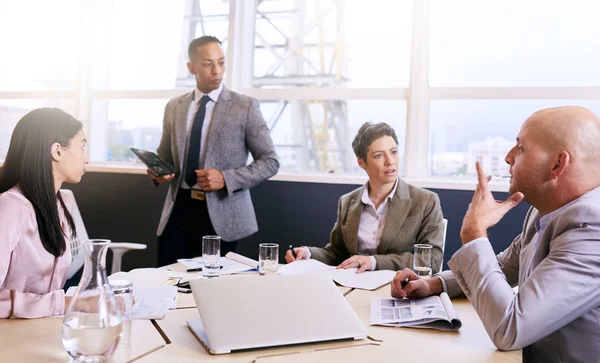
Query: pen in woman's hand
x,y
405,281
293,252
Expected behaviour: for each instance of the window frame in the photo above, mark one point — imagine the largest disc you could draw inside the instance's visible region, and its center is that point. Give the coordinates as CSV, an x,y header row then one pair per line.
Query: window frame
x,y
242,14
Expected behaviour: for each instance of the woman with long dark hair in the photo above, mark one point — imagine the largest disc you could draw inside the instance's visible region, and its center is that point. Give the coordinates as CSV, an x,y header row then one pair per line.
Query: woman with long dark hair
x,y
47,149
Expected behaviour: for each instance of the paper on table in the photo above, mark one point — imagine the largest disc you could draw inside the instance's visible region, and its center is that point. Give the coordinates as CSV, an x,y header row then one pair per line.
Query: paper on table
x,y
435,312
303,267
242,259
368,280
152,277
229,266
150,302
166,294
154,302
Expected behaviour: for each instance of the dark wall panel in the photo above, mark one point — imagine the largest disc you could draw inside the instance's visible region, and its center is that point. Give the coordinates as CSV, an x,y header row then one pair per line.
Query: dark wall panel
x,y
126,208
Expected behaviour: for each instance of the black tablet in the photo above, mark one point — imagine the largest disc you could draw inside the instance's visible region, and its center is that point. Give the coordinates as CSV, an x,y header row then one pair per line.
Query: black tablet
x,y
153,162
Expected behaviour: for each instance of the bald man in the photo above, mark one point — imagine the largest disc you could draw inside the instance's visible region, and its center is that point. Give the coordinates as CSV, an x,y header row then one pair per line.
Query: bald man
x,y
555,261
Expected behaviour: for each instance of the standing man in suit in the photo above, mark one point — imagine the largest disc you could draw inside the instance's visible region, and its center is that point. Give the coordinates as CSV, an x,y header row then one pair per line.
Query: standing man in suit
x,y
379,223
207,135
555,261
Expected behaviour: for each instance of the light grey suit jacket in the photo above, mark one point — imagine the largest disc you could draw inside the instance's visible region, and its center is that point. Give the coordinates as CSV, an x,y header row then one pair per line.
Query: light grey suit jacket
x,y
237,127
414,216
555,316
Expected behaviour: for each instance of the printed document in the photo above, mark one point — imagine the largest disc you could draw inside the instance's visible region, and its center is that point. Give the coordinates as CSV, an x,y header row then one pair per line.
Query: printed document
x,y
436,312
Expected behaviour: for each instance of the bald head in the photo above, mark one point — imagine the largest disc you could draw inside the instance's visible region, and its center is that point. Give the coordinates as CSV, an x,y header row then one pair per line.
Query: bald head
x,y
575,130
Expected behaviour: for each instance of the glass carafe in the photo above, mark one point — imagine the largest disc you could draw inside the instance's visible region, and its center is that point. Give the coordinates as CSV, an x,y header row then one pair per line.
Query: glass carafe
x,y
93,323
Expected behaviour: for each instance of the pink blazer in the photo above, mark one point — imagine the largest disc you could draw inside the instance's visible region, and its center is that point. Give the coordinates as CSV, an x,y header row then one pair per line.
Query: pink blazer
x,y
31,279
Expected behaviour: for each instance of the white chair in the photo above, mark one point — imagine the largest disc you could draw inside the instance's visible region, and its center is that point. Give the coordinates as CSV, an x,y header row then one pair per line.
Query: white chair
x,y
445,228
77,256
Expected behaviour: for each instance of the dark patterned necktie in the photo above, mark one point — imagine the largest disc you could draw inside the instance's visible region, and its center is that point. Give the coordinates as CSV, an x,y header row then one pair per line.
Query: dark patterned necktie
x,y
193,156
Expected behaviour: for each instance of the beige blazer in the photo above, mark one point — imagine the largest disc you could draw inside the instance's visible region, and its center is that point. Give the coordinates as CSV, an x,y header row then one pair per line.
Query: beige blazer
x,y
414,216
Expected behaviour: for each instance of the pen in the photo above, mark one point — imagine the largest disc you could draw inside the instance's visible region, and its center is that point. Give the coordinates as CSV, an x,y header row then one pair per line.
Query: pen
x,y
197,269
293,252
405,281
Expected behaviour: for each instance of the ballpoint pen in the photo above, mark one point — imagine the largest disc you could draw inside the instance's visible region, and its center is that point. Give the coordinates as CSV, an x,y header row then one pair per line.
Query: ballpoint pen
x,y
293,252
197,269
405,281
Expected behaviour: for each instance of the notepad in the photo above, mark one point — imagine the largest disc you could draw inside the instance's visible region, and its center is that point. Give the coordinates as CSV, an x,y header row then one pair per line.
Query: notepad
x,y
368,280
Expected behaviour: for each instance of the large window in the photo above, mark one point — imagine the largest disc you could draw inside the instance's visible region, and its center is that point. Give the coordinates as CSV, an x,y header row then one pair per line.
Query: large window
x,y
317,135
332,43
454,78
492,64
534,43
11,111
39,51
303,47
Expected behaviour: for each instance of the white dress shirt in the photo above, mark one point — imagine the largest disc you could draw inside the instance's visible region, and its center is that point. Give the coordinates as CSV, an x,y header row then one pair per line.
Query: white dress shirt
x,y
371,225
210,108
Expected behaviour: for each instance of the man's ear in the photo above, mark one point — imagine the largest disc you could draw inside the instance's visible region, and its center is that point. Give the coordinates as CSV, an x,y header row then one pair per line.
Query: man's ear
x,y
190,68
55,151
561,162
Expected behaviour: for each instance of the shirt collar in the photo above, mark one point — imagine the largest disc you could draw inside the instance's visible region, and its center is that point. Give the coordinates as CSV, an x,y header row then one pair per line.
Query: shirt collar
x,y
214,94
543,221
365,195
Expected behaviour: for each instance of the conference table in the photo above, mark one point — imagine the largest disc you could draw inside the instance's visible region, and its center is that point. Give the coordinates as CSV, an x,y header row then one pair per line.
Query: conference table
x,y
170,339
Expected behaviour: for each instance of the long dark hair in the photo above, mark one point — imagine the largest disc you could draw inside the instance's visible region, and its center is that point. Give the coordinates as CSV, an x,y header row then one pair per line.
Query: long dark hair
x,y
28,163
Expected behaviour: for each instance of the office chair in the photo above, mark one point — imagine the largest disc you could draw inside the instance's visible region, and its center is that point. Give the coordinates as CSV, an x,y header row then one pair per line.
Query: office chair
x,y
445,229
77,256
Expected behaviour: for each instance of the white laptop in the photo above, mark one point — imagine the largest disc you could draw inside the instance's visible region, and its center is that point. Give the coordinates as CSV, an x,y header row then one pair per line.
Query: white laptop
x,y
248,312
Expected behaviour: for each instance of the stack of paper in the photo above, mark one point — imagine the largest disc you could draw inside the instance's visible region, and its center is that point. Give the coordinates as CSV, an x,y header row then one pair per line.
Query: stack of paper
x,y
368,280
232,263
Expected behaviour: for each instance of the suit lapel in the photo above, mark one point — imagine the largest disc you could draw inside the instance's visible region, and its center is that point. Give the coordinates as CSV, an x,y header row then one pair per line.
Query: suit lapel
x,y
181,114
397,212
528,263
219,120
353,220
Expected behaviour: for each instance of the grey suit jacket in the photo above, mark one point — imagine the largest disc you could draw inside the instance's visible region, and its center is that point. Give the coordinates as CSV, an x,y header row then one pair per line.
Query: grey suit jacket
x,y
237,127
555,316
414,216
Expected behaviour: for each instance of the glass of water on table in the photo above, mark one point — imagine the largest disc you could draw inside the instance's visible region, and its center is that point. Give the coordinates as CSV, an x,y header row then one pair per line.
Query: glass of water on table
x,y
422,259
268,258
211,252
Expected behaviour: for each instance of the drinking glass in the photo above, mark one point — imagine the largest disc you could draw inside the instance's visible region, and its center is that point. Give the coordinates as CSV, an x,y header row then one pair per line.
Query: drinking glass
x,y
422,259
123,290
268,258
211,252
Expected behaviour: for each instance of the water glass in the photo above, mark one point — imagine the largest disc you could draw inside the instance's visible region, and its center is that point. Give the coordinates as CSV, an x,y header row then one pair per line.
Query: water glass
x,y
211,252
422,259
123,290
268,258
